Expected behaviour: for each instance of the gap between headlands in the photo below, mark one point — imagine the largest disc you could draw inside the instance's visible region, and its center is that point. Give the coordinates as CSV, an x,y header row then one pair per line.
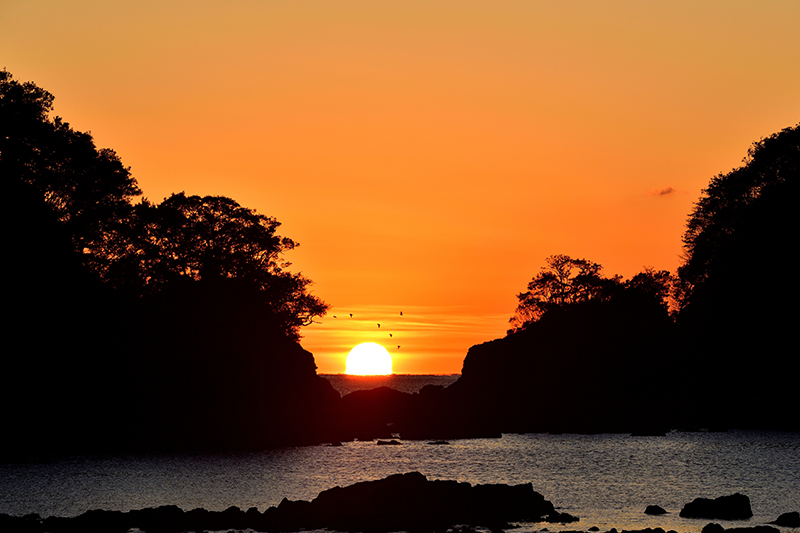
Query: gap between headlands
x,y
175,326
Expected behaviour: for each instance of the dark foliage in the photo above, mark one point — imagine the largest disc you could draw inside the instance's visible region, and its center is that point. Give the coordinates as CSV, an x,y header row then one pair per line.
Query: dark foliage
x,y
746,207
170,326
206,238
88,190
563,282
140,249
737,305
566,282
597,365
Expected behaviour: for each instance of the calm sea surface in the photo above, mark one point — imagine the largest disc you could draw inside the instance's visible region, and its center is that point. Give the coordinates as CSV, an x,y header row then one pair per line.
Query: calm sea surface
x,y
606,480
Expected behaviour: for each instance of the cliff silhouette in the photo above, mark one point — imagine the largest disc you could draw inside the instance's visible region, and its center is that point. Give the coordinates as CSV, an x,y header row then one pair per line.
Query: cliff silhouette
x,y
200,365
175,326
596,367
708,349
140,326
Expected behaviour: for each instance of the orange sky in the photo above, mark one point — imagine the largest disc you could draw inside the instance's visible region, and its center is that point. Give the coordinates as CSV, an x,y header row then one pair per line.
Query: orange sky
x,y
428,156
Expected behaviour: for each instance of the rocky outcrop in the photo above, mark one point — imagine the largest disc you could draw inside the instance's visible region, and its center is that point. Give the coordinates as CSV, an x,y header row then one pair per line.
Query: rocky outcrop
x,y
788,520
373,414
411,502
733,507
402,502
561,356
645,530
654,510
716,528
218,370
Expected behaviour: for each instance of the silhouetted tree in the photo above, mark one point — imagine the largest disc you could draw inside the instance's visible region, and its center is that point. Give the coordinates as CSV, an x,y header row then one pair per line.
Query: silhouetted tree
x,y
88,190
563,282
738,310
656,284
590,353
140,249
203,238
734,204
188,302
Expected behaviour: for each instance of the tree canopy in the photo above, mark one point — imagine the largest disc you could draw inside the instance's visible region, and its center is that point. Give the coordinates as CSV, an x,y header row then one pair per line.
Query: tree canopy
x,y
743,209
566,282
88,190
562,282
203,238
190,300
140,249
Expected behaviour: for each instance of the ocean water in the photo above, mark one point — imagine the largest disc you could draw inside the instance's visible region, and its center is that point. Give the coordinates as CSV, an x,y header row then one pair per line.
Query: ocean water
x,y
606,480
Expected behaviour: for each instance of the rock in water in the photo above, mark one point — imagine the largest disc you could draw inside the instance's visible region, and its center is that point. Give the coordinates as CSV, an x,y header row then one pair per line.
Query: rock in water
x,y
754,529
712,528
409,501
733,507
788,520
402,502
654,510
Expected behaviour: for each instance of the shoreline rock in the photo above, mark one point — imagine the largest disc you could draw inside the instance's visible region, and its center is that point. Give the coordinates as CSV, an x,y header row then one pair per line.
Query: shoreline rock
x,y
788,520
401,502
716,528
733,507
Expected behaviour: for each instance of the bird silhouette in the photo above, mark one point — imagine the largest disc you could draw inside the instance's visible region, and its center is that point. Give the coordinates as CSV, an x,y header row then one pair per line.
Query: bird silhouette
x,y
351,315
401,313
398,346
390,335
379,326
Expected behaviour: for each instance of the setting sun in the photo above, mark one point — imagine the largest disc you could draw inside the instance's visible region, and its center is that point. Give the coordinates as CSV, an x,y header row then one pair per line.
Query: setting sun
x,y
368,359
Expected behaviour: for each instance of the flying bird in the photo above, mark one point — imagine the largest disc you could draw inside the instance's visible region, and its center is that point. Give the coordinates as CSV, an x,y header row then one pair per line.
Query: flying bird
x,y
390,335
401,313
398,346
379,326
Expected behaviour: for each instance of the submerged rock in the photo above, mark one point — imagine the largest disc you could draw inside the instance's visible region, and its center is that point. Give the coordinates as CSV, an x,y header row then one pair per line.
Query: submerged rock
x,y
716,528
645,530
561,518
788,520
733,507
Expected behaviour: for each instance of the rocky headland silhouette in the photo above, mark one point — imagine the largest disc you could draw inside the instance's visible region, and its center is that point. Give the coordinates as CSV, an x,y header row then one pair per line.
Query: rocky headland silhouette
x,y
703,349
175,326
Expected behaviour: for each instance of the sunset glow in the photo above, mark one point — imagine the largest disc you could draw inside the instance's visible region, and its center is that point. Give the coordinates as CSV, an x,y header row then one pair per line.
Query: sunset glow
x,y
426,156
369,359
